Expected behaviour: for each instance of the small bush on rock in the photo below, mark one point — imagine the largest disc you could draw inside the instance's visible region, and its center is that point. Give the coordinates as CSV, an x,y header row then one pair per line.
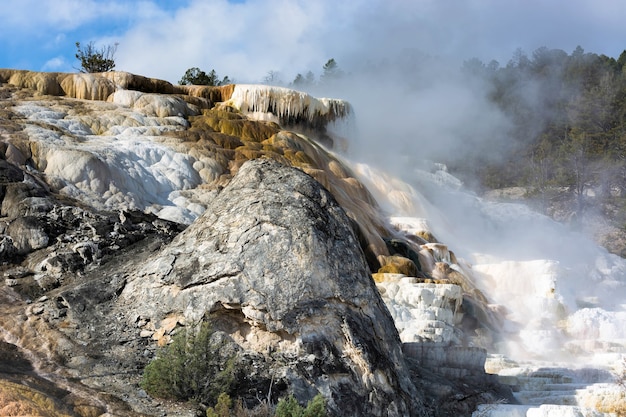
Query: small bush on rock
x,y
222,408
193,367
289,407
316,407
286,407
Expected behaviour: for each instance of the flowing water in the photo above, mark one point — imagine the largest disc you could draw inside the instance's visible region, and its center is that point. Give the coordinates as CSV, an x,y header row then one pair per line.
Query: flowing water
x,y
562,297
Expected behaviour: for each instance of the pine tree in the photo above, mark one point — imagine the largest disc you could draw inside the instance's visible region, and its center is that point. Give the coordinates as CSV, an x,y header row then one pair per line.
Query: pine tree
x,y
96,60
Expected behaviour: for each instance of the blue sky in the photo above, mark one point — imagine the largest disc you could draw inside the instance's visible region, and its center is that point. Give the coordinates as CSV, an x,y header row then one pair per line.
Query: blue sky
x,y
247,38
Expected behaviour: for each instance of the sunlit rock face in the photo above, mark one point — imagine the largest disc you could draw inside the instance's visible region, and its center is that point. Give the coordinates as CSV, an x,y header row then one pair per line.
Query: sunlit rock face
x,y
288,107
310,301
92,171
163,153
423,312
85,86
107,156
132,143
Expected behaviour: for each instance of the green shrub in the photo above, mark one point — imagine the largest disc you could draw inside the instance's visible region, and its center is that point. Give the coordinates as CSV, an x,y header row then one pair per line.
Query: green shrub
x,y
222,408
316,407
286,407
195,367
192,367
289,407
195,76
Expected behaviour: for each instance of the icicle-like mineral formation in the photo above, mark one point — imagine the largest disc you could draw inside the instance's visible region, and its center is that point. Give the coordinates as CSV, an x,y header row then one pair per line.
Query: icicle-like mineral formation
x,y
289,106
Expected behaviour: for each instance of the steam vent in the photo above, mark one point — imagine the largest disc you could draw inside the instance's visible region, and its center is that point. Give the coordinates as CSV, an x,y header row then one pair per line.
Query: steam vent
x,y
137,216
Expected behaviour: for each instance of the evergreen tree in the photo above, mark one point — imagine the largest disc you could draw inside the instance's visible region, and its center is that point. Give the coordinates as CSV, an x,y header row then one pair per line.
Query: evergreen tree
x,y
96,60
192,367
310,78
298,81
331,71
195,76
304,81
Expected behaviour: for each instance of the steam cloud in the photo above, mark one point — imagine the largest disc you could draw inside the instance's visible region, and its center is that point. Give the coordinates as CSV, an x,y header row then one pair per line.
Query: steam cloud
x,y
402,59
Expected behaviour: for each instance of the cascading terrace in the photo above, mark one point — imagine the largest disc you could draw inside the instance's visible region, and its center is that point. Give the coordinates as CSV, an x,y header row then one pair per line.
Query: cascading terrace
x,y
147,152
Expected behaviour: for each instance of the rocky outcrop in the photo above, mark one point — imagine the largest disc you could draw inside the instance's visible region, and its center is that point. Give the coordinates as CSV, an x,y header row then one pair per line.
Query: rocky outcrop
x,y
288,107
51,249
423,311
307,319
145,149
97,86
309,310
279,262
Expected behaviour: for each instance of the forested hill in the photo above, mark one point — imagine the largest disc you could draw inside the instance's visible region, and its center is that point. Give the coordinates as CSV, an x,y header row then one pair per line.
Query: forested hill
x,y
567,143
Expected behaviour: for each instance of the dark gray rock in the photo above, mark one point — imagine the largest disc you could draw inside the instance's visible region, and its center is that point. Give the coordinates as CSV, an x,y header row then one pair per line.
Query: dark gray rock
x,y
28,234
16,197
7,249
9,173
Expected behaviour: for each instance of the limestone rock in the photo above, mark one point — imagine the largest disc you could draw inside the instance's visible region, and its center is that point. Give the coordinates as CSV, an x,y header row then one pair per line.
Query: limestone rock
x,y
42,82
423,311
158,105
87,86
16,198
274,261
289,106
9,173
96,86
28,234
128,81
7,248
310,302
397,265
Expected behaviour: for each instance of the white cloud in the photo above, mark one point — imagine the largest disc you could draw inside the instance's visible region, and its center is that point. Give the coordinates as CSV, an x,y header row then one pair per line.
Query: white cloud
x,y
246,40
60,15
58,63
241,40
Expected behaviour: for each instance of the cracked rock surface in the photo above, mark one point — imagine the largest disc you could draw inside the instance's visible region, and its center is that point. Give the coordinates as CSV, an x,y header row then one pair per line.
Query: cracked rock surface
x,y
310,311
